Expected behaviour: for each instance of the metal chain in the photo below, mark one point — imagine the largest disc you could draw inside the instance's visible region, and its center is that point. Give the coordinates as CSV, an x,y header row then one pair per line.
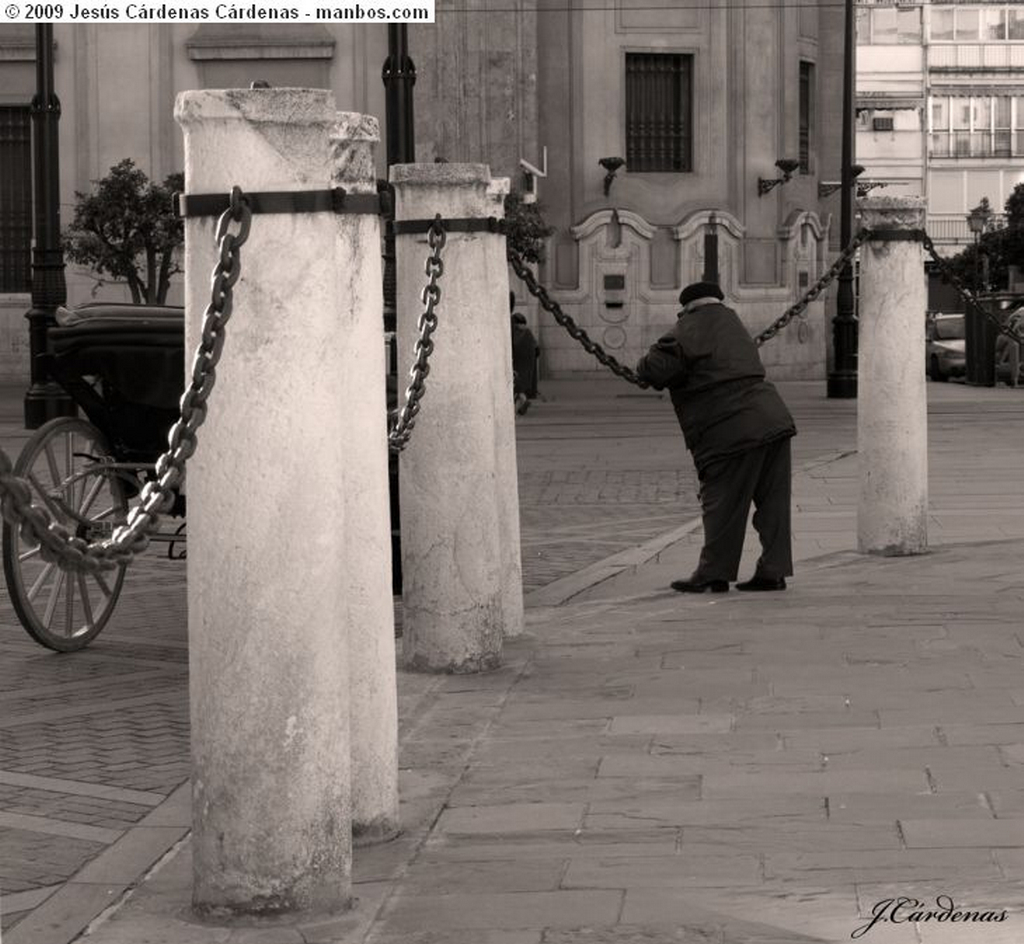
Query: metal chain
x,y
550,305
56,543
794,311
403,421
966,293
575,331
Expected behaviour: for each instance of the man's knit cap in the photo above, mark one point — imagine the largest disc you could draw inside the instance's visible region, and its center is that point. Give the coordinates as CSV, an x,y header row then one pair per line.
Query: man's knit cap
x,y
699,290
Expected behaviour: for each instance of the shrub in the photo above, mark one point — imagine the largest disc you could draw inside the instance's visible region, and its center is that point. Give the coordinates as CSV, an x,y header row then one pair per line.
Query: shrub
x,y
127,229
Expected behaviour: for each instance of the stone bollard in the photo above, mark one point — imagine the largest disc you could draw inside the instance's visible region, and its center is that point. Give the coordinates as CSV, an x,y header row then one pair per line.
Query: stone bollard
x,y
892,414
268,582
373,709
462,573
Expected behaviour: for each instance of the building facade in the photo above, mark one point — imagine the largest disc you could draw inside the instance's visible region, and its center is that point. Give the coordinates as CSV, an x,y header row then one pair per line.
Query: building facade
x,y
697,100
940,106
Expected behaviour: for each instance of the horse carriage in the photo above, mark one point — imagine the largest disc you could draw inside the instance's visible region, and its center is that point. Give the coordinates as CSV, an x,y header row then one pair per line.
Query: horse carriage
x,y
123,366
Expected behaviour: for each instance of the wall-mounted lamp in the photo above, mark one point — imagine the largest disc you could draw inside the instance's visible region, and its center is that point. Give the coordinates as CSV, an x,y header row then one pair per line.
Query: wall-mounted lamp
x,y
611,165
787,166
864,187
828,187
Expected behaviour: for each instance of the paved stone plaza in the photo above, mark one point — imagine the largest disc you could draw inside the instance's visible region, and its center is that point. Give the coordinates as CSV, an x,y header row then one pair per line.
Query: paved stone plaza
x,y
646,767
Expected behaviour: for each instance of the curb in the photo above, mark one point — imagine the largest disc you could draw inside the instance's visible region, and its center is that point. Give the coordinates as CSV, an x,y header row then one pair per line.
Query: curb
x,y
561,591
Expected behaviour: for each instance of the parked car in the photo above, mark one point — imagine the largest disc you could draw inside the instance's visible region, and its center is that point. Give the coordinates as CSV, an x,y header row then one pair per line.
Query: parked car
x,y
1006,363
945,347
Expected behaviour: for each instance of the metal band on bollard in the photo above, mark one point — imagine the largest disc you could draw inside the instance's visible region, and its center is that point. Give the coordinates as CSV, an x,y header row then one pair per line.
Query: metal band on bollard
x,y
335,200
896,235
472,224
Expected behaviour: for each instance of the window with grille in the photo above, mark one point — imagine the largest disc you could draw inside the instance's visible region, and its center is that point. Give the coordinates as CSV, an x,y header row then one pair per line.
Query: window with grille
x,y
806,115
659,112
15,198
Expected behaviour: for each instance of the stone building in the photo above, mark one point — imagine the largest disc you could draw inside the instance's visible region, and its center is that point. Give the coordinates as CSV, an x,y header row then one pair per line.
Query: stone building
x,y
699,98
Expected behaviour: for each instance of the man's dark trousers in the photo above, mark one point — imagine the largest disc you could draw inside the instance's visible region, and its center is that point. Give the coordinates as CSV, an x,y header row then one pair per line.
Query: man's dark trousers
x,y
727,487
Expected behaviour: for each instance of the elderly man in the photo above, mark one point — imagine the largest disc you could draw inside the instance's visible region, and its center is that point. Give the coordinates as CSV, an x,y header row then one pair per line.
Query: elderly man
x,y
738,429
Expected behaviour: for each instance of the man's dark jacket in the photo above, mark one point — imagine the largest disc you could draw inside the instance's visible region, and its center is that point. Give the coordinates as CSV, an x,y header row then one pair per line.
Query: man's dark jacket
x,y
712,370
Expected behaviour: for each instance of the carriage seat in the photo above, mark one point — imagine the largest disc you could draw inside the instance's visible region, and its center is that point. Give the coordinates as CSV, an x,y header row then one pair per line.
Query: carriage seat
x,y
96,313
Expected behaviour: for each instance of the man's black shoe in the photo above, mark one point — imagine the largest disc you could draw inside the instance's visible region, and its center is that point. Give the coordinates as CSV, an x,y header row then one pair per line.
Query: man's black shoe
x,y
763,583
700,586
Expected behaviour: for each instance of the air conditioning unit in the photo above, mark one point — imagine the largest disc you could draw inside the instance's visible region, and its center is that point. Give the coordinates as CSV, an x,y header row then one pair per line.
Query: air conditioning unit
x,y
882,124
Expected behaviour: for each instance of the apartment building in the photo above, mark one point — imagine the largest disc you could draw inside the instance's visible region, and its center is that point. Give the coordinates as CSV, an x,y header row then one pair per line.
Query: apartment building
x,y
940,106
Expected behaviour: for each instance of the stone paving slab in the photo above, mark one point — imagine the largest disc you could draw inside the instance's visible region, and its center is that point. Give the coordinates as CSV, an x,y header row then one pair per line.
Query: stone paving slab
x,y
92,741
729,783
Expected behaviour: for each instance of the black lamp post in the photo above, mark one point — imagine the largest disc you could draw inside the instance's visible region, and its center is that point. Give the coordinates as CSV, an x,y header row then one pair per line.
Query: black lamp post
x,y
44,399
977,222
399,75
842,381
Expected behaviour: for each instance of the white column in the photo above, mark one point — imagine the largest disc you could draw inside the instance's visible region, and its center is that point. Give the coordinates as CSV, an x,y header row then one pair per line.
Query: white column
x,y
505,460
267,584
367,533
461,567
892,414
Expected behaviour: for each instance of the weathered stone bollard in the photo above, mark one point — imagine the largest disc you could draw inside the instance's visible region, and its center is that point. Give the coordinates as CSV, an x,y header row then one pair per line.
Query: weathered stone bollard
x,y
892,415
270,524
462,574
373,709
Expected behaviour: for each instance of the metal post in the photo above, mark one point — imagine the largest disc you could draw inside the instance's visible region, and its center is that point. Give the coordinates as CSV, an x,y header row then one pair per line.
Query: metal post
x,y
842,381
399,76
711,251
45,399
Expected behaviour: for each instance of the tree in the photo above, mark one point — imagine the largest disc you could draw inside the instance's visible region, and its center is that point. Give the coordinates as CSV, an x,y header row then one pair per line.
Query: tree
x,y
1015,208
1001,248
525,228
127,229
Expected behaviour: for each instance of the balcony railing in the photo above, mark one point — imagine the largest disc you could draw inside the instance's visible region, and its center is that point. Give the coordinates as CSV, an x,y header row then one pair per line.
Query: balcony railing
x,y
952,228
996,144
976,56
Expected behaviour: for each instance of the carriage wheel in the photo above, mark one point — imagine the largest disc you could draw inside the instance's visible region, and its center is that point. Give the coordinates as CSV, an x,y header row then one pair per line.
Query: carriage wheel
x,y
64,610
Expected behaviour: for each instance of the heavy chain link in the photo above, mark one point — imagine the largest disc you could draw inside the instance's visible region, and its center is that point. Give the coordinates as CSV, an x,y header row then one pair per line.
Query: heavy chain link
x,y
575,331
403,421
56,543
794,311
966,293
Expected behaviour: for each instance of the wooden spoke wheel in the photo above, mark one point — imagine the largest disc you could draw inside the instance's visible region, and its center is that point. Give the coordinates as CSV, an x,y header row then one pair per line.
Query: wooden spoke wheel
x,y
63,462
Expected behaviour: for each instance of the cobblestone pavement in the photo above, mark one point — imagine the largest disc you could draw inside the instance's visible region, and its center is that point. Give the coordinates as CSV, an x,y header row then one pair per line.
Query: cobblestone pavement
x,y
627,730
596,477
92,742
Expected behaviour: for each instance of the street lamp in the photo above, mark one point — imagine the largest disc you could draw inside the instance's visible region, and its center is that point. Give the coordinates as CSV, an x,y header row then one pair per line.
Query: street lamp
x,y
977,221
45,399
